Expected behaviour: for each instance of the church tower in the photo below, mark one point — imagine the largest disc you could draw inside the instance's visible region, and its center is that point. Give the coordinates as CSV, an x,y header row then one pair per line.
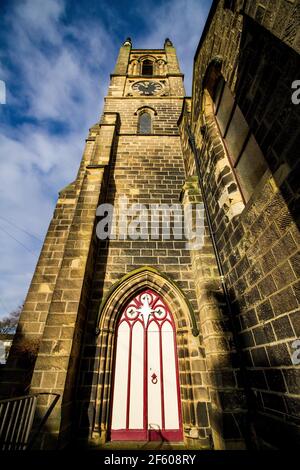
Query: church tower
x,y
116,320
165,302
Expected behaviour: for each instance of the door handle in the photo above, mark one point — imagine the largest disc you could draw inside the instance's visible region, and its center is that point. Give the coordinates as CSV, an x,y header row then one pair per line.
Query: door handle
x,y
154,378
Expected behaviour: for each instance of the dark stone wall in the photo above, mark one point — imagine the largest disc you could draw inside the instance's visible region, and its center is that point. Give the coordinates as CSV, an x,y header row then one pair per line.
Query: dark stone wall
x,y
259,243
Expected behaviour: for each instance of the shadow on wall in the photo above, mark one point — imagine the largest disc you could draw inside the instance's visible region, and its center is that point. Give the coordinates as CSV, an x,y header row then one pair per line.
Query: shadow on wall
x,y
264,237
266,70
273,414
233,405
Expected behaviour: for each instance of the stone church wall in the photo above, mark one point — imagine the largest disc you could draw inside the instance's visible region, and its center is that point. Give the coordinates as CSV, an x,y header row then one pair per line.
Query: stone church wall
x,y
258,241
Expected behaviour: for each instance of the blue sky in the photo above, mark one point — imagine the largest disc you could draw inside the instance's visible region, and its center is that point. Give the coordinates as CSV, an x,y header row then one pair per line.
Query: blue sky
x,y
55,60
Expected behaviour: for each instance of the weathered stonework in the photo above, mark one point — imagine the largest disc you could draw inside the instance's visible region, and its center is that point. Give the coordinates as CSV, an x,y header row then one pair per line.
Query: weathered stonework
x,y
235,300
258,243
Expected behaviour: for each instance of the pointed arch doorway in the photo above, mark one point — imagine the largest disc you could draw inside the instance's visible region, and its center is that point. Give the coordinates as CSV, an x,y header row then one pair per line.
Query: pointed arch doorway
x,y
145,395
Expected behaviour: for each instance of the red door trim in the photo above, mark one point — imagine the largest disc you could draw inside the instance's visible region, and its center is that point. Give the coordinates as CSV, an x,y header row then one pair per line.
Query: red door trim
x,y
129,435
178,384
145,379
129,376
161,380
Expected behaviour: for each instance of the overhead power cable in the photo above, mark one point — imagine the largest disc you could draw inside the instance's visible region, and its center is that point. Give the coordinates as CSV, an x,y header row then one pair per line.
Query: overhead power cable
x,y
20,228
18,241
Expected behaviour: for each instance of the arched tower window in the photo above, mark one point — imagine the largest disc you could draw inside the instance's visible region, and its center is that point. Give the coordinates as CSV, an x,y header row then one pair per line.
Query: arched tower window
x,y
144,124
147,67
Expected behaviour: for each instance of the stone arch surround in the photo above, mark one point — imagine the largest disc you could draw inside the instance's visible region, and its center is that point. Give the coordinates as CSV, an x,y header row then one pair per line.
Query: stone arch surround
x,y
188,349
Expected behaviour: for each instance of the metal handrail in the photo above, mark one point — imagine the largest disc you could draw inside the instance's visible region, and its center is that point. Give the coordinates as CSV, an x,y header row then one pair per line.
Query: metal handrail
x,y
16,420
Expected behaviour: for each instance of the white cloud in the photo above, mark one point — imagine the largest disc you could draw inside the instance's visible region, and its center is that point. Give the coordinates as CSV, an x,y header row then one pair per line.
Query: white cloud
x,y
38,17
181,21
57,75
57,83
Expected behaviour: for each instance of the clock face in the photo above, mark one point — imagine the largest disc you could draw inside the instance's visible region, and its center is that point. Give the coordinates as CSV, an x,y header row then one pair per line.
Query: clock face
x,y
147,87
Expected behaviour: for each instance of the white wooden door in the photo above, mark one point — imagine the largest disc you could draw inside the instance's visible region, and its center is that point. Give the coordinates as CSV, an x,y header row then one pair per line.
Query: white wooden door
x,y
146,404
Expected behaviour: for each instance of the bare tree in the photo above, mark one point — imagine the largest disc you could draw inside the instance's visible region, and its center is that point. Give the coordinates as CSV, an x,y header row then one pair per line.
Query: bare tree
x,y
9,323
